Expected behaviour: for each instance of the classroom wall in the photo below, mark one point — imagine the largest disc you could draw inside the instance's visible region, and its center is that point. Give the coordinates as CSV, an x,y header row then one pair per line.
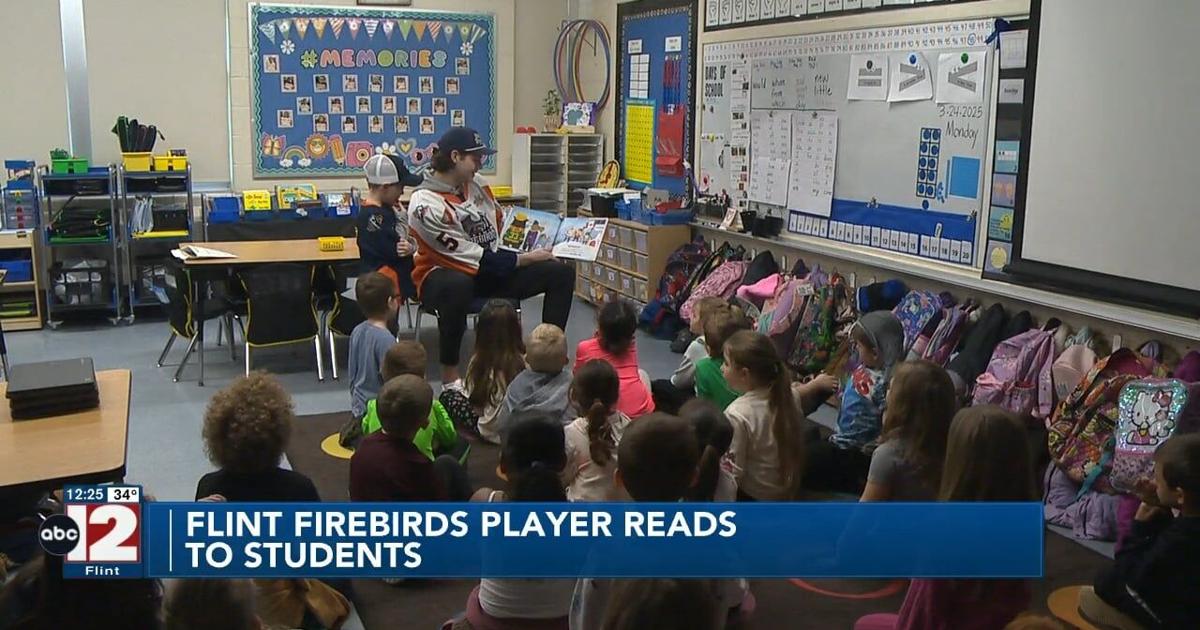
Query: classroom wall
x,y
526,33
35,107
165,69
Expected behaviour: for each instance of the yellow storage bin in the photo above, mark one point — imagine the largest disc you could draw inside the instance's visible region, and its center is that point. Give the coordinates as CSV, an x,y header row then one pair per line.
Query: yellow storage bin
x,y
502,191
170,163
137,161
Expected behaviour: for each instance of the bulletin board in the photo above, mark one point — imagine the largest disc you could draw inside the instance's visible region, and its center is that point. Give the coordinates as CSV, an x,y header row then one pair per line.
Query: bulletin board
x,y
655,98
874,137
332,86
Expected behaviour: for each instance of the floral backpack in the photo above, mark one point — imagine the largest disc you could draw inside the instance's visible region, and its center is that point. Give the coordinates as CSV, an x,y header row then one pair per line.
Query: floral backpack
x,y
941,337
782,312
1018,376
722,282
1081,429
1151,411
828,313
915,311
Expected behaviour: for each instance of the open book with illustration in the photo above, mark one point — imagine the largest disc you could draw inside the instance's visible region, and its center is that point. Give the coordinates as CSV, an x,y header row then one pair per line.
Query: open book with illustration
x,y
578,237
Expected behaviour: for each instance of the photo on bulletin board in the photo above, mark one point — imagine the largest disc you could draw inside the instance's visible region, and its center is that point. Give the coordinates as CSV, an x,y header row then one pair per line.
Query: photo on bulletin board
x,y
332,86
656,61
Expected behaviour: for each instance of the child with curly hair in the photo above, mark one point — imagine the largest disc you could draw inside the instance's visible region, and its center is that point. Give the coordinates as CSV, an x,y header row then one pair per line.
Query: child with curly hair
x,y
246,429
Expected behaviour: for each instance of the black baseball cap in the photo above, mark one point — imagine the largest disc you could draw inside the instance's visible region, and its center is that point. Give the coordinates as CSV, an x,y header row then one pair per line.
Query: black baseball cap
x,y
464,140
385,168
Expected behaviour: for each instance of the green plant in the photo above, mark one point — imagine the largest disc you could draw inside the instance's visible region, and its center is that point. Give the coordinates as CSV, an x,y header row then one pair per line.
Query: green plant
x,y
552,104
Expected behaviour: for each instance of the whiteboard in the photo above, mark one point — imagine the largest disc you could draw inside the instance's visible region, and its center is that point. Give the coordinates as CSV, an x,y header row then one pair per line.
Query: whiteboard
x,y
1112,156
884,196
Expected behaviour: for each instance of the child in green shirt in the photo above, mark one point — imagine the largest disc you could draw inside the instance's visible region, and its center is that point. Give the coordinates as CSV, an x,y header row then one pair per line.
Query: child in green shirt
x,y
719,326
439,437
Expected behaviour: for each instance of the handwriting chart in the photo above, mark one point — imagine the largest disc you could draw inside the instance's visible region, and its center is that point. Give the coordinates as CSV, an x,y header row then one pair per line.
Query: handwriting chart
x,y
814,156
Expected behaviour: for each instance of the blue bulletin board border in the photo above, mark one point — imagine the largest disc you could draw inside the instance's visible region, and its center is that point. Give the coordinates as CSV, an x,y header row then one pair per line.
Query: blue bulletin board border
x,y
658,19
297,145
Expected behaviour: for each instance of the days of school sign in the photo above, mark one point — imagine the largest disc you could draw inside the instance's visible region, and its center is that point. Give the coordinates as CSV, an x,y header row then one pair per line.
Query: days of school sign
x,y
332,86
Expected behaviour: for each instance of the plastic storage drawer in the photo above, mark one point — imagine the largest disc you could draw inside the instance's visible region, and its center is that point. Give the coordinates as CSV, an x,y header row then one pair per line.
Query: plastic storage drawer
x,y
613,277
625,259
610,254
639,290
639,240
641,264
627,284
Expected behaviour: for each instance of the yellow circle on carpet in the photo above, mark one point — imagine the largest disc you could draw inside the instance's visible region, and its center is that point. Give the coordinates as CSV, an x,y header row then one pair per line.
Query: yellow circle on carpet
x,y
1064,604
333,448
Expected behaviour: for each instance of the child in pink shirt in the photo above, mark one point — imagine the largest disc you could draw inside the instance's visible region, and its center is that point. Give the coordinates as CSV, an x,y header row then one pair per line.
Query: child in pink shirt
x,y
616,325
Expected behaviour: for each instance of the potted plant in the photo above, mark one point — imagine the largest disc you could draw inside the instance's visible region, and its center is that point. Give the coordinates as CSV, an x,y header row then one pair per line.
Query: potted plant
x,y
551,112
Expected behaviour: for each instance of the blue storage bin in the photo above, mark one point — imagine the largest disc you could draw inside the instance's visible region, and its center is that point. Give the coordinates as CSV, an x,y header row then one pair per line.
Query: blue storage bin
x,y
653,217
18,270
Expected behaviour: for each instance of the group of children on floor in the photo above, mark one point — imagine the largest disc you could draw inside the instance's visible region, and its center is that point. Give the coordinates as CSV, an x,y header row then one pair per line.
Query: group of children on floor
x,y
736,430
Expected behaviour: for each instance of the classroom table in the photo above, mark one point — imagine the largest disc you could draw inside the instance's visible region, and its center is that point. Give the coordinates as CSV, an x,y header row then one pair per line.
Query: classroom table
x,y
81,447
302,251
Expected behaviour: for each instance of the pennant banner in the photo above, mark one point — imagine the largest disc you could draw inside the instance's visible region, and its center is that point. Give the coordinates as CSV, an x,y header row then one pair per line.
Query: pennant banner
x,y
419,28
435,29
464,30
319,26
268,29
336,25
285,27
354,24
372,25
388,27
405,27
301,26
449,31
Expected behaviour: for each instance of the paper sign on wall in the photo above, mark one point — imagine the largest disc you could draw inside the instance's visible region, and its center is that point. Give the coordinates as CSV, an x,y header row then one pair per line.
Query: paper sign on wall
x,y
960,77
909,78
868,78
639,142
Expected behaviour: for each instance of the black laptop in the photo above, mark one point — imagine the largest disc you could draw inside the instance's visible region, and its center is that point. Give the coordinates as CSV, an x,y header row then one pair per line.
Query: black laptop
x,y
49,388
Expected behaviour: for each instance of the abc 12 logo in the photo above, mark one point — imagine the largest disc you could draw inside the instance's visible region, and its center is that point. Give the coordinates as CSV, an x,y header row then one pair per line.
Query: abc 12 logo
x,y
94,532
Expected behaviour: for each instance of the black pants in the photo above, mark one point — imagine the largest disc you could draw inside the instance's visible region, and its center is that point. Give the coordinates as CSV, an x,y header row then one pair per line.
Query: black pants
x,y
450,294
667,397
829,468
454,477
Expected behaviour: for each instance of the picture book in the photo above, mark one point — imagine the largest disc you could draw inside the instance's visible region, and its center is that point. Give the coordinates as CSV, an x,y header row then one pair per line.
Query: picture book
x,y
289,195
578,237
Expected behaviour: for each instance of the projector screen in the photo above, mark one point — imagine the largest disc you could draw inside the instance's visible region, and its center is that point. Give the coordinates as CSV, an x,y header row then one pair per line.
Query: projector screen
x,y
1112,184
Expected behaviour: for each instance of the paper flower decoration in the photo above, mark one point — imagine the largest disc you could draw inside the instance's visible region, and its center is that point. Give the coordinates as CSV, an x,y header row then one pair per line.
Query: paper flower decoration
x,y
466,49
287,46
308,59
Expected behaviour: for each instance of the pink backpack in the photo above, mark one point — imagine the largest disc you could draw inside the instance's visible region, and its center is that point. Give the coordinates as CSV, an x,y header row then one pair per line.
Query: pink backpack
x,y
722,282
1151,411
915,311
940,338
1017,377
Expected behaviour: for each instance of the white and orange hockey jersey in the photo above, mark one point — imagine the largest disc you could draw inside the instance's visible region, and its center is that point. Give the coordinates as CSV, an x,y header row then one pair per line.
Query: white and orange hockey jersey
x,y
457,230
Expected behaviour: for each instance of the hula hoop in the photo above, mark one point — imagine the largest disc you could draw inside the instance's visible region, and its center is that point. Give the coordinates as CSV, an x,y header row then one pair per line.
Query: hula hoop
x,y
886,591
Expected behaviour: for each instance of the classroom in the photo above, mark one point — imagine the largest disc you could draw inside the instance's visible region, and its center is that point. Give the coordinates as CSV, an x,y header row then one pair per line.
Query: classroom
x,y
499,255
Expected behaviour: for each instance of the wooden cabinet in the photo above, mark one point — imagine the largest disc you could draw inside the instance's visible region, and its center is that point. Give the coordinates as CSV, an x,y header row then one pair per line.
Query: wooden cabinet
x,y
631,261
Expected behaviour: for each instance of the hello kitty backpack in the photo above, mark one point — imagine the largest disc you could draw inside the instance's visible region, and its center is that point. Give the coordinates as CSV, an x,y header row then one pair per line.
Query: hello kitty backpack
x,y
1151,411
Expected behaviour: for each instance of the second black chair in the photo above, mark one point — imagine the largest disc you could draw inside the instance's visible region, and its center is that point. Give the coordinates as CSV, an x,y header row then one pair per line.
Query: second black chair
x,y
281,309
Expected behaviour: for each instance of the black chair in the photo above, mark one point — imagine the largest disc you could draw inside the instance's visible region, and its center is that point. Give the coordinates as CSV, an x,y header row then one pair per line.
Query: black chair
x,y
472,312
281,309
341,314
183,318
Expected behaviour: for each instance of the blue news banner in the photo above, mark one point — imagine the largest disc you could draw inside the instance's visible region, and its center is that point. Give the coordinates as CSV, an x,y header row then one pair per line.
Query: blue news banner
x,y
596,539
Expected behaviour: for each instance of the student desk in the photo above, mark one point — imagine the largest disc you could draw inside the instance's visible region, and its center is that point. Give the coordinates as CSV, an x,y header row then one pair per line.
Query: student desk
x,y
302,251
82,447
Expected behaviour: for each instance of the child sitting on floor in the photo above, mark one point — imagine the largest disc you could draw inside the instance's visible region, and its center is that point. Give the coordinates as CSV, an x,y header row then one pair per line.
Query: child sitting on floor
x,y
840,463
714,433
388,466
616,325
439,437
246,429
987,459
662,604
499,356
671,394
907,464
592,438
545,384
719,325
1154,580
531,459
376,295
767,451
656,462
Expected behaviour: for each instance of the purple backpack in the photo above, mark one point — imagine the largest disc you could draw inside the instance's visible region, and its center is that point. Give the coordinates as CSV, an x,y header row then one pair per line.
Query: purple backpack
x,y
915,312
1151,411
1017,378
722,282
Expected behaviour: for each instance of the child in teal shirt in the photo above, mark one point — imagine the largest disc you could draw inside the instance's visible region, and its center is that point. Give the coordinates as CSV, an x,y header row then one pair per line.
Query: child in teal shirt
x,y
439,437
